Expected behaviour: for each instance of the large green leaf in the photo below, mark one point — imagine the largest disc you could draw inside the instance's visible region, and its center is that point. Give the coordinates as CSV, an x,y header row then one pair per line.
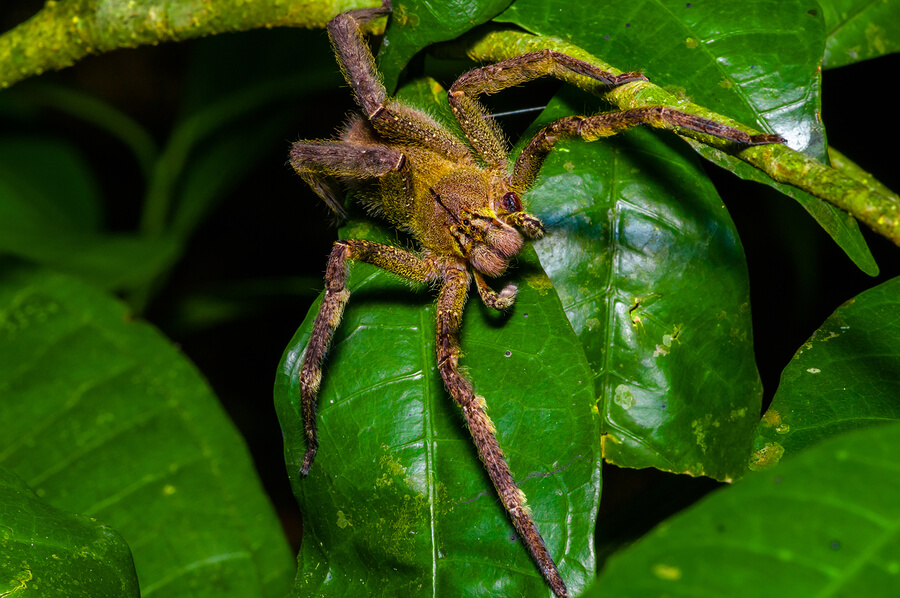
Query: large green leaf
x,y
111,422
397,500
754,62
847,375
859,30
48,552
823,523
651,274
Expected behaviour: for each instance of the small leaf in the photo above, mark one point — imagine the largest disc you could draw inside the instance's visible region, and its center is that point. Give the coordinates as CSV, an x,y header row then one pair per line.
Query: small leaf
x,y
859,30
114,423
846,376
823,523
48,552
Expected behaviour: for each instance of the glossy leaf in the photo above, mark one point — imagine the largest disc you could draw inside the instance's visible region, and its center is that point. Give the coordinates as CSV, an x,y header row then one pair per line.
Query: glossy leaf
x,y
397,500
651,274
113,423
52,553
754,62
847,375
823,523
859,30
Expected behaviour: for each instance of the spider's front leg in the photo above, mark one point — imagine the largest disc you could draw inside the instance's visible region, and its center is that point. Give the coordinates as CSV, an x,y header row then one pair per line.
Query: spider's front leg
x,y
450,304
481,131
607,124
390,258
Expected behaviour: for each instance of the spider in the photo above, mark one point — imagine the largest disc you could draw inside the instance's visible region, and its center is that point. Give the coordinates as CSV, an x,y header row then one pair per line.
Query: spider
x,y
461,200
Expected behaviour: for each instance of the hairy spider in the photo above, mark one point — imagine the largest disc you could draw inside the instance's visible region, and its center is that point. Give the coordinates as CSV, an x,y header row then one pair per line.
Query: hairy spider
x,y
461,200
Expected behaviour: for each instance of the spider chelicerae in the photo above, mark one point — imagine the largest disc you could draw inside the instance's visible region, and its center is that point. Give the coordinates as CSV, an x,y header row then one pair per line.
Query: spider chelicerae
x,y
461,200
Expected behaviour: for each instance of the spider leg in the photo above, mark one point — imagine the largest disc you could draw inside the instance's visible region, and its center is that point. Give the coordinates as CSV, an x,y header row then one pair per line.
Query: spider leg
x,y
327,320
481,131
389,117
499,301
608,124
450,304
318,162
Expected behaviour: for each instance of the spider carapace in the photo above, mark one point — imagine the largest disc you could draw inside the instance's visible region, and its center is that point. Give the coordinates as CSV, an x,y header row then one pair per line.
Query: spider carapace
x,y
461,200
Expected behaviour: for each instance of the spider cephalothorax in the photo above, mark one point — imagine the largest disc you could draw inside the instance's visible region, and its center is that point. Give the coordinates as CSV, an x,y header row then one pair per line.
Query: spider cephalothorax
x,y
461,201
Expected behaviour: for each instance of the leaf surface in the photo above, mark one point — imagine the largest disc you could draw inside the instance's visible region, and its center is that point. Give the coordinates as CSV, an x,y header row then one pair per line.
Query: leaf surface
x,y
846,376
823,523
54,553
651,274
121,427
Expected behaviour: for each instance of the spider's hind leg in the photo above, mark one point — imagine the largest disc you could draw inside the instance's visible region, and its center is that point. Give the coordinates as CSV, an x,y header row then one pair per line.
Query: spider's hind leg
x,y
331,310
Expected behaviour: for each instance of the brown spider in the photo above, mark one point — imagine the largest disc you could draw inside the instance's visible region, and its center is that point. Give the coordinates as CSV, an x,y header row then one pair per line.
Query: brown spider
x,y
461,200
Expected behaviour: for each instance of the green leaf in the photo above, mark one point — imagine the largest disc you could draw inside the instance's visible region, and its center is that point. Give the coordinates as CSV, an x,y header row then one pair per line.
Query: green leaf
x,y
115,424
48,552
652,276
823,523
847,375
859,30
397,500
754,62
416,24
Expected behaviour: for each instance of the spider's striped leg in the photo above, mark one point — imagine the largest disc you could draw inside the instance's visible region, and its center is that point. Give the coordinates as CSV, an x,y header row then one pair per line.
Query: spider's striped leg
x,y
450,305
607,124
390,258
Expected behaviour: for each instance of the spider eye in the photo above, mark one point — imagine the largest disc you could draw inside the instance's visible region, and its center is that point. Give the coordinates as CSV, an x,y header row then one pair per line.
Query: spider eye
x,y
511,202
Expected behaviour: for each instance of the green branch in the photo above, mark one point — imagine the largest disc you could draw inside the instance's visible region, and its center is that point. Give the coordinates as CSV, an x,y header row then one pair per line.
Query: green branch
x,y
65,31
866,200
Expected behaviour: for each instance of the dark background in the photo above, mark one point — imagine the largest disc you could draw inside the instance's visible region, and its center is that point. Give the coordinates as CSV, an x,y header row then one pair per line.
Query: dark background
x,y
262,251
